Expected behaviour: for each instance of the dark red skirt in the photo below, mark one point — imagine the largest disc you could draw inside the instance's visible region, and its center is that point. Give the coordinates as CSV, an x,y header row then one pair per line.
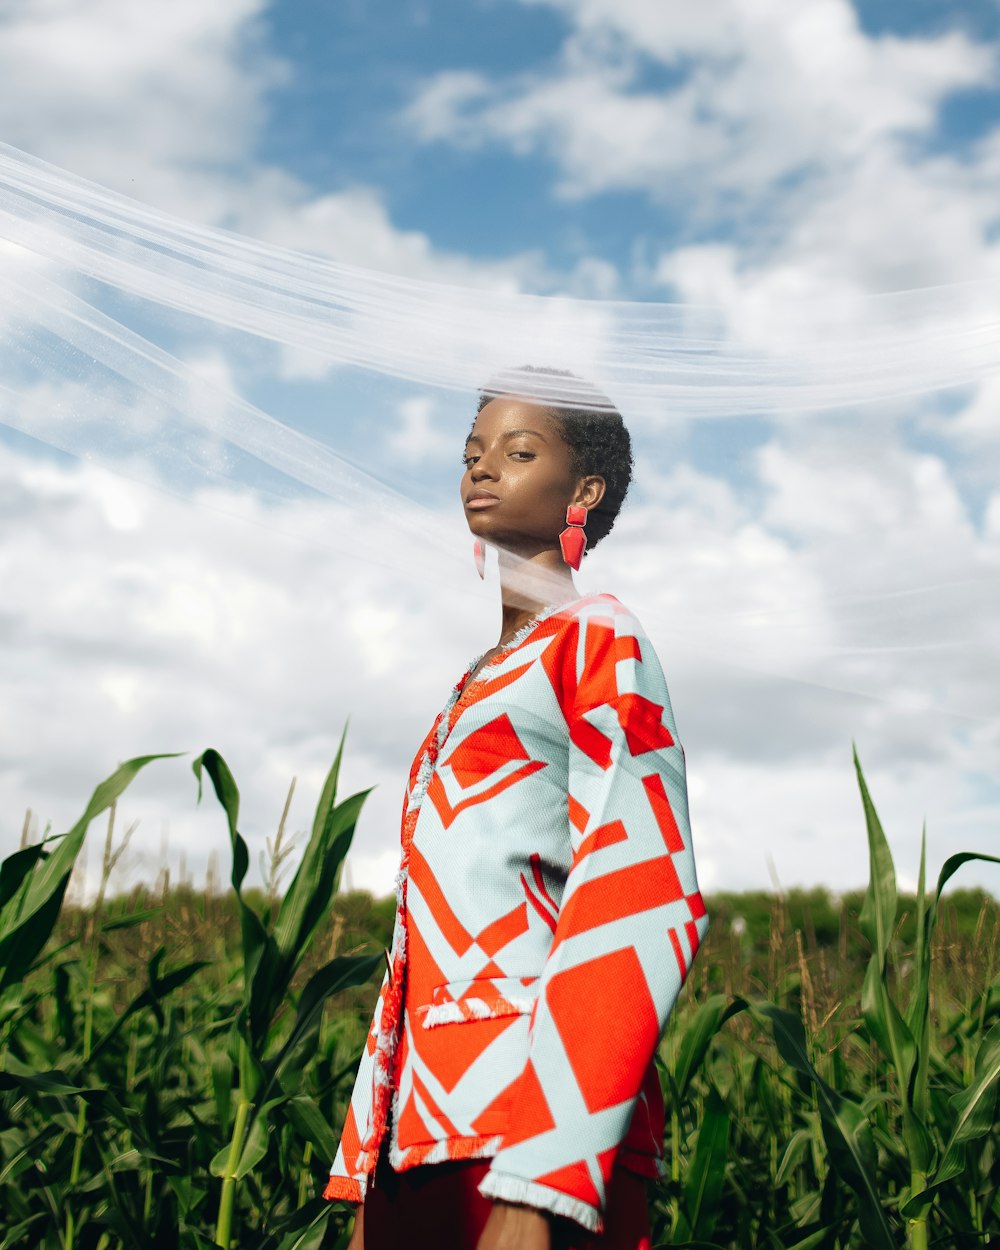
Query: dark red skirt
x,y
439,1205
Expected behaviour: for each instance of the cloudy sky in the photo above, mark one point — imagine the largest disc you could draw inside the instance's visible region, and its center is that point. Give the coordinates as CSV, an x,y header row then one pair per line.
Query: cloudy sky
x,y
810,579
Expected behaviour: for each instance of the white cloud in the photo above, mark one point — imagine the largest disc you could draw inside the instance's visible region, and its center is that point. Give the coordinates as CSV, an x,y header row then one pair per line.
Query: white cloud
x,y
166,104
135,622
150,99
977,424
764,92
354,225
418,437
800,151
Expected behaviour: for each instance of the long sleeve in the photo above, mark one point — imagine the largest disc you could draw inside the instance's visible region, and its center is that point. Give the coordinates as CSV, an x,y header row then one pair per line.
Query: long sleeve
x,y
629,923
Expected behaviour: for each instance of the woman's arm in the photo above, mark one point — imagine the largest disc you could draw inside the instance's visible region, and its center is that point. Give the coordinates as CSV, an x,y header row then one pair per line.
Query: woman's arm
x,y
630,922
511,1227
357,1241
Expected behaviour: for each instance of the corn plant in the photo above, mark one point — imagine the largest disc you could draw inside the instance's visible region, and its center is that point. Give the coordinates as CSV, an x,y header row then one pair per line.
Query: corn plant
x,y
271,1059
896,1146
139,1126
175,1064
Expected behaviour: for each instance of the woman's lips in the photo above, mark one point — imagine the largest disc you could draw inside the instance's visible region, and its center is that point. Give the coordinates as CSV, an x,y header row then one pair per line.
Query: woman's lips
x,y
481,501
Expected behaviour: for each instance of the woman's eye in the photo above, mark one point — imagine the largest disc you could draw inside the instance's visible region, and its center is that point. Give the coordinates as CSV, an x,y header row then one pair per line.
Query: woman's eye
x,y
524,455
468,461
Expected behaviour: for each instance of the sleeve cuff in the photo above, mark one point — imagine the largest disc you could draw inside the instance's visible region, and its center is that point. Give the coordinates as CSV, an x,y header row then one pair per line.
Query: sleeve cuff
x,y
344,1189
509,1188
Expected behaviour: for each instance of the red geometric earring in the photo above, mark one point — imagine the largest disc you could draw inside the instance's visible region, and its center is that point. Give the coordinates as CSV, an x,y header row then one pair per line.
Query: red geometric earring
x,y
479,555
573,540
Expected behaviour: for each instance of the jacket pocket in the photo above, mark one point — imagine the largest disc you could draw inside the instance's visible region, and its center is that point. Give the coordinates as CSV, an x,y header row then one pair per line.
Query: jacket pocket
x,y
458,1002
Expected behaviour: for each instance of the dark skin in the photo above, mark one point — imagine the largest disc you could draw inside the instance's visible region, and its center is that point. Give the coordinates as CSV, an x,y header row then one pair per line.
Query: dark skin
x,y
517,455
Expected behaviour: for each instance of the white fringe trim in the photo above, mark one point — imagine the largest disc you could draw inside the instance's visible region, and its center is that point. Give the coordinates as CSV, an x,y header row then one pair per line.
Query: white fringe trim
x,y
530,1194
426,768
360,1179
441,1152
517,638
475,1009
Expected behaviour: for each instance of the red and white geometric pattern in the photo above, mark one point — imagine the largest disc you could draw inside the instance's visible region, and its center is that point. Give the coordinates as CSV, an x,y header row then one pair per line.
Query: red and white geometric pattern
x,y
548,913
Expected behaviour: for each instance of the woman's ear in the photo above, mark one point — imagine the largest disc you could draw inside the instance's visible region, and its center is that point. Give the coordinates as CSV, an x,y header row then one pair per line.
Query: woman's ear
x,y
589,491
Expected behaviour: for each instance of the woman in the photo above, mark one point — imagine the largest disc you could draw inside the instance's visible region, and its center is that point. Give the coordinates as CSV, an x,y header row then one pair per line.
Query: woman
x,y
548,908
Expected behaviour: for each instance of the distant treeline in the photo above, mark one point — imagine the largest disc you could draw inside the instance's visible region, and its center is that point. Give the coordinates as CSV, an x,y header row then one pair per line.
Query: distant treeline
x,y
752,932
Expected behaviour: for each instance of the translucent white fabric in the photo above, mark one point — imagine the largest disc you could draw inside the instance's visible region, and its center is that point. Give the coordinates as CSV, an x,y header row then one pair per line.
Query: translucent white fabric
x,y
101,295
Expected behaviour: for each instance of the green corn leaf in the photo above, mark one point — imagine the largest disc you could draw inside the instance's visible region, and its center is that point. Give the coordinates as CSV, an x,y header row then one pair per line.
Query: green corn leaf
x,y
707,1172
305,906
28,915
304,1230
159,987
254,934
797,1149
312,1125
886,1025
917,1010
255,1148
56,863
952,864
310,1238
343,972
878,913
689,1245
698,1033
56,1083
220,1161
328,795
881,1014
761,1086
14,1234
919,1142
814,1239
15,868
846,1130
198,1241
918,1018
129,922
222,1087
65,1012
307,900
974,1109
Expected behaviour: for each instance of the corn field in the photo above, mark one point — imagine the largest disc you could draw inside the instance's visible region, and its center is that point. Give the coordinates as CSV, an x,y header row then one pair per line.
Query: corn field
x,y
174,1065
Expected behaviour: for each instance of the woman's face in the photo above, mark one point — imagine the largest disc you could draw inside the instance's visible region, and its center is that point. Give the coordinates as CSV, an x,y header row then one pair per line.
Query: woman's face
x,y
519,478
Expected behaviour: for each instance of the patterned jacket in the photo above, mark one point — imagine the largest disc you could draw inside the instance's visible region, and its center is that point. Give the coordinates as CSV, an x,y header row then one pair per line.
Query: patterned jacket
x,y
548,912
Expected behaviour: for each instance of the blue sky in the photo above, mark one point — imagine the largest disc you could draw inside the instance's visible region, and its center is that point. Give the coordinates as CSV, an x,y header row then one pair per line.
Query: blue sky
x,y
338,121
736,158
355,68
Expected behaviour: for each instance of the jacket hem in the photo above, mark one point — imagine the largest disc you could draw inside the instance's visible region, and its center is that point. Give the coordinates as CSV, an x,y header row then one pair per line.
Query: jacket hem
x,y
529,1193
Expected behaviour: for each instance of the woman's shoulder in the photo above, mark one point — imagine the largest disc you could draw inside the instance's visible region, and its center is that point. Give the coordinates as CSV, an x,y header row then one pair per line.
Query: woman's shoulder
x,y
604,608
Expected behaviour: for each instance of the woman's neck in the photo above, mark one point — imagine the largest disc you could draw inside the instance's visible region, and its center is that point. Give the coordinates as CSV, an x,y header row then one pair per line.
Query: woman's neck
x,y
529,586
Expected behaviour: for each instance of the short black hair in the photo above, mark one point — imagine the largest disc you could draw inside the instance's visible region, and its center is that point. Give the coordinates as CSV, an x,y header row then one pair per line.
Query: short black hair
x,y
590,424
